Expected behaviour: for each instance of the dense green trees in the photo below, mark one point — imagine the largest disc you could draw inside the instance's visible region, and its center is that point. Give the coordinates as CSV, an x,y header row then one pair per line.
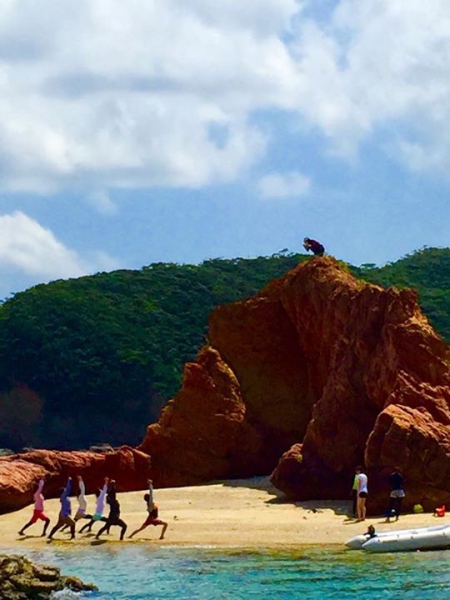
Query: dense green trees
x,y
427,271
94,359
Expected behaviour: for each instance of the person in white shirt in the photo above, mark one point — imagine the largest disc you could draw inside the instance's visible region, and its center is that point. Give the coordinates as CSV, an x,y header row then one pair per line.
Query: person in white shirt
x,y
363,492
99,508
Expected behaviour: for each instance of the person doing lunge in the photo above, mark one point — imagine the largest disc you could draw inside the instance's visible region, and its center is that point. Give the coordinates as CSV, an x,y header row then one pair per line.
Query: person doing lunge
x,y
99,508
114,513
152,518
65,512
82,503
38,512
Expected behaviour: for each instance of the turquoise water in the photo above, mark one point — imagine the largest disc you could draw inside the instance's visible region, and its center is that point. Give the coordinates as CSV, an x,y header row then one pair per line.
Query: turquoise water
x,y
143,572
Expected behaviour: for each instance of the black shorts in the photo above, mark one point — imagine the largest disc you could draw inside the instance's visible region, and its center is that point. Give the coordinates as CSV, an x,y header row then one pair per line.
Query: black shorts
x,y
363,494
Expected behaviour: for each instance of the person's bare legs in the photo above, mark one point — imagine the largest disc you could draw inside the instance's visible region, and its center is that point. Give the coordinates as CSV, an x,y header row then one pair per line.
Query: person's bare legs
x,y
164,529
361,508
141,528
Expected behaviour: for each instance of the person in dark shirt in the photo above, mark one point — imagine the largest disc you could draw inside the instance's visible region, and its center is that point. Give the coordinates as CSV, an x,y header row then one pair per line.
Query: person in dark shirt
x,y
396,482
316,247
114,513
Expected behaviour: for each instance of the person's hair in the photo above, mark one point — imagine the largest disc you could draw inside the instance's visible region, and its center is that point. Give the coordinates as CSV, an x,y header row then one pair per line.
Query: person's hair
x,y
359,468
146,497
62,490
98,492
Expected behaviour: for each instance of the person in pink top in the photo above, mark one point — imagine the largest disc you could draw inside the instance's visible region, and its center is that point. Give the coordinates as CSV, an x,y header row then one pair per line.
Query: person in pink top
x,y
38,512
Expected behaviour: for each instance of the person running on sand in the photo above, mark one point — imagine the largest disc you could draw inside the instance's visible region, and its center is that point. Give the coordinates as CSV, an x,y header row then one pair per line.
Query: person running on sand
x,y
65,512
362,494
38,512
114,513
99,508
152,518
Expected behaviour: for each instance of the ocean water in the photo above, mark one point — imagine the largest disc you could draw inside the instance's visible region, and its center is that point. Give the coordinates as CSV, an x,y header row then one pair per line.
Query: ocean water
x,y
141,572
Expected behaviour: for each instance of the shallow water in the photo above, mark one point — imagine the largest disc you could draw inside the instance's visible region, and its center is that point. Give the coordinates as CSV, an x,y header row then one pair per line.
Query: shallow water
x,y
142,572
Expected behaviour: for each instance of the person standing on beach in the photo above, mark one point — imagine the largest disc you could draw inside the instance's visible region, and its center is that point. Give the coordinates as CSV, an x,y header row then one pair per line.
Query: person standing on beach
x,y
152,510
114,513
99,508
363,492
65,512
38,512
396,481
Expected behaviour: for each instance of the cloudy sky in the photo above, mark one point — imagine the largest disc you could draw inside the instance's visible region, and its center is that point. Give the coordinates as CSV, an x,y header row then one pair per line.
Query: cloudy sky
x,y
140,131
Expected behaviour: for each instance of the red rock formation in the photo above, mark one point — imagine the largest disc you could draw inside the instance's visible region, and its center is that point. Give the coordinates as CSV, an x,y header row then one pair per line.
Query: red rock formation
x,y
20,473
319,358
203,433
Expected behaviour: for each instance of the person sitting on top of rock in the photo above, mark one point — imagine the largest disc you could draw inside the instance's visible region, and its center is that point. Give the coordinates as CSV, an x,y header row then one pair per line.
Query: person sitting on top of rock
x,y
316,247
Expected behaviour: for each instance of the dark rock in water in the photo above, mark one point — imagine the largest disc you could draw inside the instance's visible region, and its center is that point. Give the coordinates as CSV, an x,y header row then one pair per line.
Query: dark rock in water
x,y
21,579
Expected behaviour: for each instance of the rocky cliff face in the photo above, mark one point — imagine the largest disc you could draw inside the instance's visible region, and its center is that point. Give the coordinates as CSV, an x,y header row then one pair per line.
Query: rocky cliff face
x,y
20,473
328,372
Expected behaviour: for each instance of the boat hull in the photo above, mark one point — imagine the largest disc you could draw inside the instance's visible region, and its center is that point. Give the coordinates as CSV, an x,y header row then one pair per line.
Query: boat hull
x,y
423,538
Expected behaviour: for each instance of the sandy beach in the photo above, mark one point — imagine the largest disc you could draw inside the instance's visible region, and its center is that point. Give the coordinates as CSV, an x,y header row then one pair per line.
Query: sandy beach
x,y
247,513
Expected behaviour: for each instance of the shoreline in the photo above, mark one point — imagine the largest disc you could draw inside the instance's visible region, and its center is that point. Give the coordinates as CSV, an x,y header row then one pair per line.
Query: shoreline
x,y
246,515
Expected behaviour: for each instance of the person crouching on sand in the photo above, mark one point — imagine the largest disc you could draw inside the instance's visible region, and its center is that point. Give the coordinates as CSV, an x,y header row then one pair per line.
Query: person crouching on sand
x,y
152,518
65,512
114,513
38,512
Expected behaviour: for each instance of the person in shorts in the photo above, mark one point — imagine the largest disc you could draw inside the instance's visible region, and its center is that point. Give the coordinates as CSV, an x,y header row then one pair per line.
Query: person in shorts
x,y
38,512
153,517
99,508
363,492
65,512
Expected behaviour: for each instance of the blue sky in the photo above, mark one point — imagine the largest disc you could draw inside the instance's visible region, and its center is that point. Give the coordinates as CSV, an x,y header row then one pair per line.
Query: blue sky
x,y
165,130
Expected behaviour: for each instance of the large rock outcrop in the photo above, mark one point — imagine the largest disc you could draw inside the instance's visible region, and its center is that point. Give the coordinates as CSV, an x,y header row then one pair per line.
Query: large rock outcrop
x,y
22,579
342,371
20,473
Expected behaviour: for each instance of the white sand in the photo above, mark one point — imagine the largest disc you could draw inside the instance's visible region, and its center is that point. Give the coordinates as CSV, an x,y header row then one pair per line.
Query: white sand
x,y
243,513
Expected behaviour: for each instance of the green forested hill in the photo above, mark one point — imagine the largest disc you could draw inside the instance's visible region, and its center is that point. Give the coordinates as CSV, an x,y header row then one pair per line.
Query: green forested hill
x,y
93,359
427,271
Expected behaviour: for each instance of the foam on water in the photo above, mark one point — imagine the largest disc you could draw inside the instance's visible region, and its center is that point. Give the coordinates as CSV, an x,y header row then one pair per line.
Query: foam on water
x,y
141,572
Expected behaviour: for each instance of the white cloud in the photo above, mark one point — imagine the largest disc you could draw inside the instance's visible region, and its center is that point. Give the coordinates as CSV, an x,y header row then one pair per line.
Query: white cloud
x,y
378,65
284,185
96,94
34,251
105,93
102,203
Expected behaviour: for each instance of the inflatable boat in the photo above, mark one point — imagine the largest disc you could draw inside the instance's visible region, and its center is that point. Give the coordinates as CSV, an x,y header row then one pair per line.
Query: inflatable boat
x,y
422,538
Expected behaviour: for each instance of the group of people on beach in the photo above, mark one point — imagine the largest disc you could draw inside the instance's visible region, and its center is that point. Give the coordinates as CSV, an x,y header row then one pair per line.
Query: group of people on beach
x,y
107,494
360,492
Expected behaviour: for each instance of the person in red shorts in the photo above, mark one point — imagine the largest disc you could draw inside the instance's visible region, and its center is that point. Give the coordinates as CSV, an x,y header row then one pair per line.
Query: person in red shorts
x,y
152,509
38,512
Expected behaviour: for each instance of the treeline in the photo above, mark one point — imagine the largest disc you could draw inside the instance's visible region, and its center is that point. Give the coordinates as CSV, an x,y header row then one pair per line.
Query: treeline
x,y
93,359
